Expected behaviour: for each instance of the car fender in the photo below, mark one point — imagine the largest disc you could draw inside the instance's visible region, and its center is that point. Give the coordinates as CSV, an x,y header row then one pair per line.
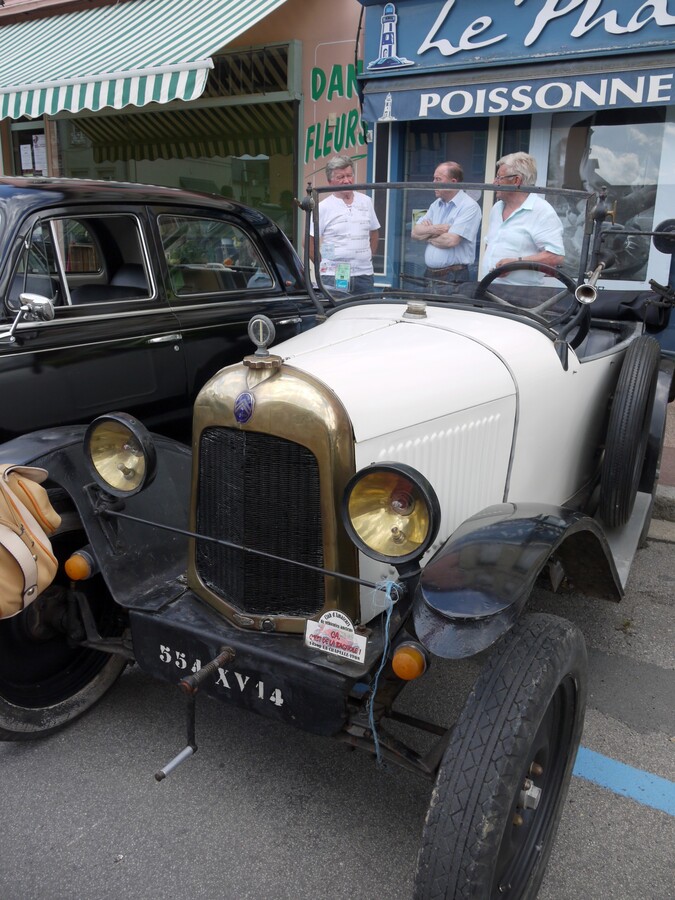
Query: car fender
x,y
475,587
142,564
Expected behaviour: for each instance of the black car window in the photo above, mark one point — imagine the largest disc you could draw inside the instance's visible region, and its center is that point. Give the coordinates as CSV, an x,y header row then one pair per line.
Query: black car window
x,y
103,259
209,256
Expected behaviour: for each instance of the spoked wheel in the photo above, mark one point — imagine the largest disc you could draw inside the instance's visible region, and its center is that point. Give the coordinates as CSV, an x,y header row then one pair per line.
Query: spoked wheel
x,y
46,680
501,785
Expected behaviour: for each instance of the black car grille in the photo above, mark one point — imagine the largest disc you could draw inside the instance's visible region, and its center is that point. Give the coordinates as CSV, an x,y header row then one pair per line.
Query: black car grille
x,y
262,492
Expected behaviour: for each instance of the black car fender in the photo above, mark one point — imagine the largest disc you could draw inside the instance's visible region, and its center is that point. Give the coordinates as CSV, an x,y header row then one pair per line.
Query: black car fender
x,y
142,564
475,587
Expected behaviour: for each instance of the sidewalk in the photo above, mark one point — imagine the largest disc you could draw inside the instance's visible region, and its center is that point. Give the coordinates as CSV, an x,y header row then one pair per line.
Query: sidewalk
x,y
664,504
667,476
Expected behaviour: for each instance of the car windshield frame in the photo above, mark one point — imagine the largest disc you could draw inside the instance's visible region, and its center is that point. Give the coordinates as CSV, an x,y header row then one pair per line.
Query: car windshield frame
x,y
398,196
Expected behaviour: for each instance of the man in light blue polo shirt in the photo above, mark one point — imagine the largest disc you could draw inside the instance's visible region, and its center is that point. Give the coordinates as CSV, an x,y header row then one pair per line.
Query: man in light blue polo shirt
x,y
523,227
449,228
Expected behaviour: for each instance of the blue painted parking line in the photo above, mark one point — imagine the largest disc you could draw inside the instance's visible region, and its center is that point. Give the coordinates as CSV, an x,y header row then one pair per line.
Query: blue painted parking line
x,y
648,789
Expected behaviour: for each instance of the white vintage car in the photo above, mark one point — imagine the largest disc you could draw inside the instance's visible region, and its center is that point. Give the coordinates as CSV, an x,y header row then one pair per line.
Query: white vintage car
x,y
380,489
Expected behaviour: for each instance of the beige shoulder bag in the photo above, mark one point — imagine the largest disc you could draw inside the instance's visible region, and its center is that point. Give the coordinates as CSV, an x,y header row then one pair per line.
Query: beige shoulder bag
x,y
27,564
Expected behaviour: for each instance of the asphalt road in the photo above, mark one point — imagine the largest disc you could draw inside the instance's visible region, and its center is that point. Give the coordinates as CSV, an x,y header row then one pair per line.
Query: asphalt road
x,y
262,811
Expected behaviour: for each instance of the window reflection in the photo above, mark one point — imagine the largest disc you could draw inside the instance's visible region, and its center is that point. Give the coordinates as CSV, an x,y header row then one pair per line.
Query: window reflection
x,y
209,256
618,151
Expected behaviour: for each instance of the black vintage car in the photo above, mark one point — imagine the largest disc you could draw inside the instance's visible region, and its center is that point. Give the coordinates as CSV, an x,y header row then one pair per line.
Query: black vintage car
x,y
151,292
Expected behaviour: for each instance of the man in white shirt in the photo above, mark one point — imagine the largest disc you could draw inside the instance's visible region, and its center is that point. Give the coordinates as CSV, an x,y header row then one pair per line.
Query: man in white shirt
x,y
348,232
449,228
523,227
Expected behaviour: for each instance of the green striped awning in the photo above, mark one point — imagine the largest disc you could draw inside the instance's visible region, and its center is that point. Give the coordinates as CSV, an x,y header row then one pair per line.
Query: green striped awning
x,y
132,53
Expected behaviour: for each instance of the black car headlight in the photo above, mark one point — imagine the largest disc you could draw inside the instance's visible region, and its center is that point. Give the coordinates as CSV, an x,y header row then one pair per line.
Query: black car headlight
x,y
120,453
391,512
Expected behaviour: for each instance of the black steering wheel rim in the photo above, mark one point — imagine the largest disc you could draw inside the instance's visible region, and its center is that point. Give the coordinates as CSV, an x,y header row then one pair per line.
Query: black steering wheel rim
x,y
573,311
531,266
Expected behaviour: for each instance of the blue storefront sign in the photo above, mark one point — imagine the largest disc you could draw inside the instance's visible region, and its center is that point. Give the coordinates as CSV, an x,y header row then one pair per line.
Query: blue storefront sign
x,y
534,95
419,53
414,36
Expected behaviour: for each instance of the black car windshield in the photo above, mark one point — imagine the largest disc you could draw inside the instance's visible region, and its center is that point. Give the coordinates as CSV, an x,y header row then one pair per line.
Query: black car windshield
x,y
487,242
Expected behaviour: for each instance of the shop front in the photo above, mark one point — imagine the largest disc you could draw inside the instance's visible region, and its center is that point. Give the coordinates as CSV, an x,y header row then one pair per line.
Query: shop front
x,y
243,98
585,86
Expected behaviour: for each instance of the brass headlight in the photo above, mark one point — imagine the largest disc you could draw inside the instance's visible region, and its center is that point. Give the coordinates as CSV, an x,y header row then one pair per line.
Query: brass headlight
x,y
391,512
121,454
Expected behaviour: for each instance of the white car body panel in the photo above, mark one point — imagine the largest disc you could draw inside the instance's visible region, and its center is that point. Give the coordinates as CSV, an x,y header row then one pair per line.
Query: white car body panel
x,y
556,417
520,427
465,456
395,396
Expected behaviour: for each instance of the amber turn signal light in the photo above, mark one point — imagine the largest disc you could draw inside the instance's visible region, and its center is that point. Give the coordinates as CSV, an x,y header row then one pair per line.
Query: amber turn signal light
x,y
409,661
80,566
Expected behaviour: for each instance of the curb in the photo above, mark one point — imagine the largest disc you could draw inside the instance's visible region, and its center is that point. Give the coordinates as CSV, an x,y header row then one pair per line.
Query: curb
x,y
664,503
660,530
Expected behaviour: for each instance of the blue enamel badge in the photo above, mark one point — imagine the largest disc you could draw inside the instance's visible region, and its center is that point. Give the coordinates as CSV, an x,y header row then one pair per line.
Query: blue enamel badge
x,y
243,407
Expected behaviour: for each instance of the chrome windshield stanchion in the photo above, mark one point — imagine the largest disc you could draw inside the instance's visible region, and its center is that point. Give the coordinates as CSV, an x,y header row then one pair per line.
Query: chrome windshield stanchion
x,y
308,206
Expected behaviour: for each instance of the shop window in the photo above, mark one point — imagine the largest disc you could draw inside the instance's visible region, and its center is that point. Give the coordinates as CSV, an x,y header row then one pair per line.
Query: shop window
x,y
208,256
617,151
427,145
29,147
236,151
515,134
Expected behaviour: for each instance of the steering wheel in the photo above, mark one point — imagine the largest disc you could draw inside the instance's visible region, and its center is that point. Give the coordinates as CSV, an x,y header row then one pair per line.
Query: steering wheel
x,y
576,316
570,288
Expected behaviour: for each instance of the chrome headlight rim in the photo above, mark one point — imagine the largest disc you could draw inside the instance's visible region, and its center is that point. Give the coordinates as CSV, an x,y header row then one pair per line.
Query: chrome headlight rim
x,y
116,427
424,493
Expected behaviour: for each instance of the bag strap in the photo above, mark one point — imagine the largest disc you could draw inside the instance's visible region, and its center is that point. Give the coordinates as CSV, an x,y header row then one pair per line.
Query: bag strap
x,y
27,562
33,473
19,509
26,524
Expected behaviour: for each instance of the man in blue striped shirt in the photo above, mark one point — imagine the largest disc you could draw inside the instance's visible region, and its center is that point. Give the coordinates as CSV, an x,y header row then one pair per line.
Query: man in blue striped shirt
x,y
449,228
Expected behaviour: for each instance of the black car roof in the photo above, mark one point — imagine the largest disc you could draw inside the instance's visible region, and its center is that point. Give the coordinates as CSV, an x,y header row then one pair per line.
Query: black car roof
x,y
36,192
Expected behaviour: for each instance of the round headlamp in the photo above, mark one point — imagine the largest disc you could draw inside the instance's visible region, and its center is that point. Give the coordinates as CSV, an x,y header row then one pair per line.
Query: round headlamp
x,y
391,512
120,453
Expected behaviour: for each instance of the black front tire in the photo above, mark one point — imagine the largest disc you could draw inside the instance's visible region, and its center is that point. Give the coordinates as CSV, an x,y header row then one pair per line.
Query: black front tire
x,y
517,735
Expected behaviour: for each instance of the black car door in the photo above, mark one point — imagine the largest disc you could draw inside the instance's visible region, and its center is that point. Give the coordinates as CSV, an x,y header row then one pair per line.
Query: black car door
x,y
220,269
114,342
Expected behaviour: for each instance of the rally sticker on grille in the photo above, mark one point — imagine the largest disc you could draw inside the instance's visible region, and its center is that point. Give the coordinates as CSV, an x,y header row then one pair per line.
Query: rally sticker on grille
x,y
334,633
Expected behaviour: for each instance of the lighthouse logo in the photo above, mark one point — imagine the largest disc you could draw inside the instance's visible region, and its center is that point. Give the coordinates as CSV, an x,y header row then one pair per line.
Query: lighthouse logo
x,y
387,114
388,58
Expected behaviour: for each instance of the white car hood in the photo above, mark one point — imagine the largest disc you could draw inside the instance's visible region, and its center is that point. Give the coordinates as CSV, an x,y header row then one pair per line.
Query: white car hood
x,y
426,368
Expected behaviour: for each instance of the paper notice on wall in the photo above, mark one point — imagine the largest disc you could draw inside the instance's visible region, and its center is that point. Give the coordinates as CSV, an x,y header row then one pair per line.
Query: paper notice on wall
x,y
40,153
26,158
